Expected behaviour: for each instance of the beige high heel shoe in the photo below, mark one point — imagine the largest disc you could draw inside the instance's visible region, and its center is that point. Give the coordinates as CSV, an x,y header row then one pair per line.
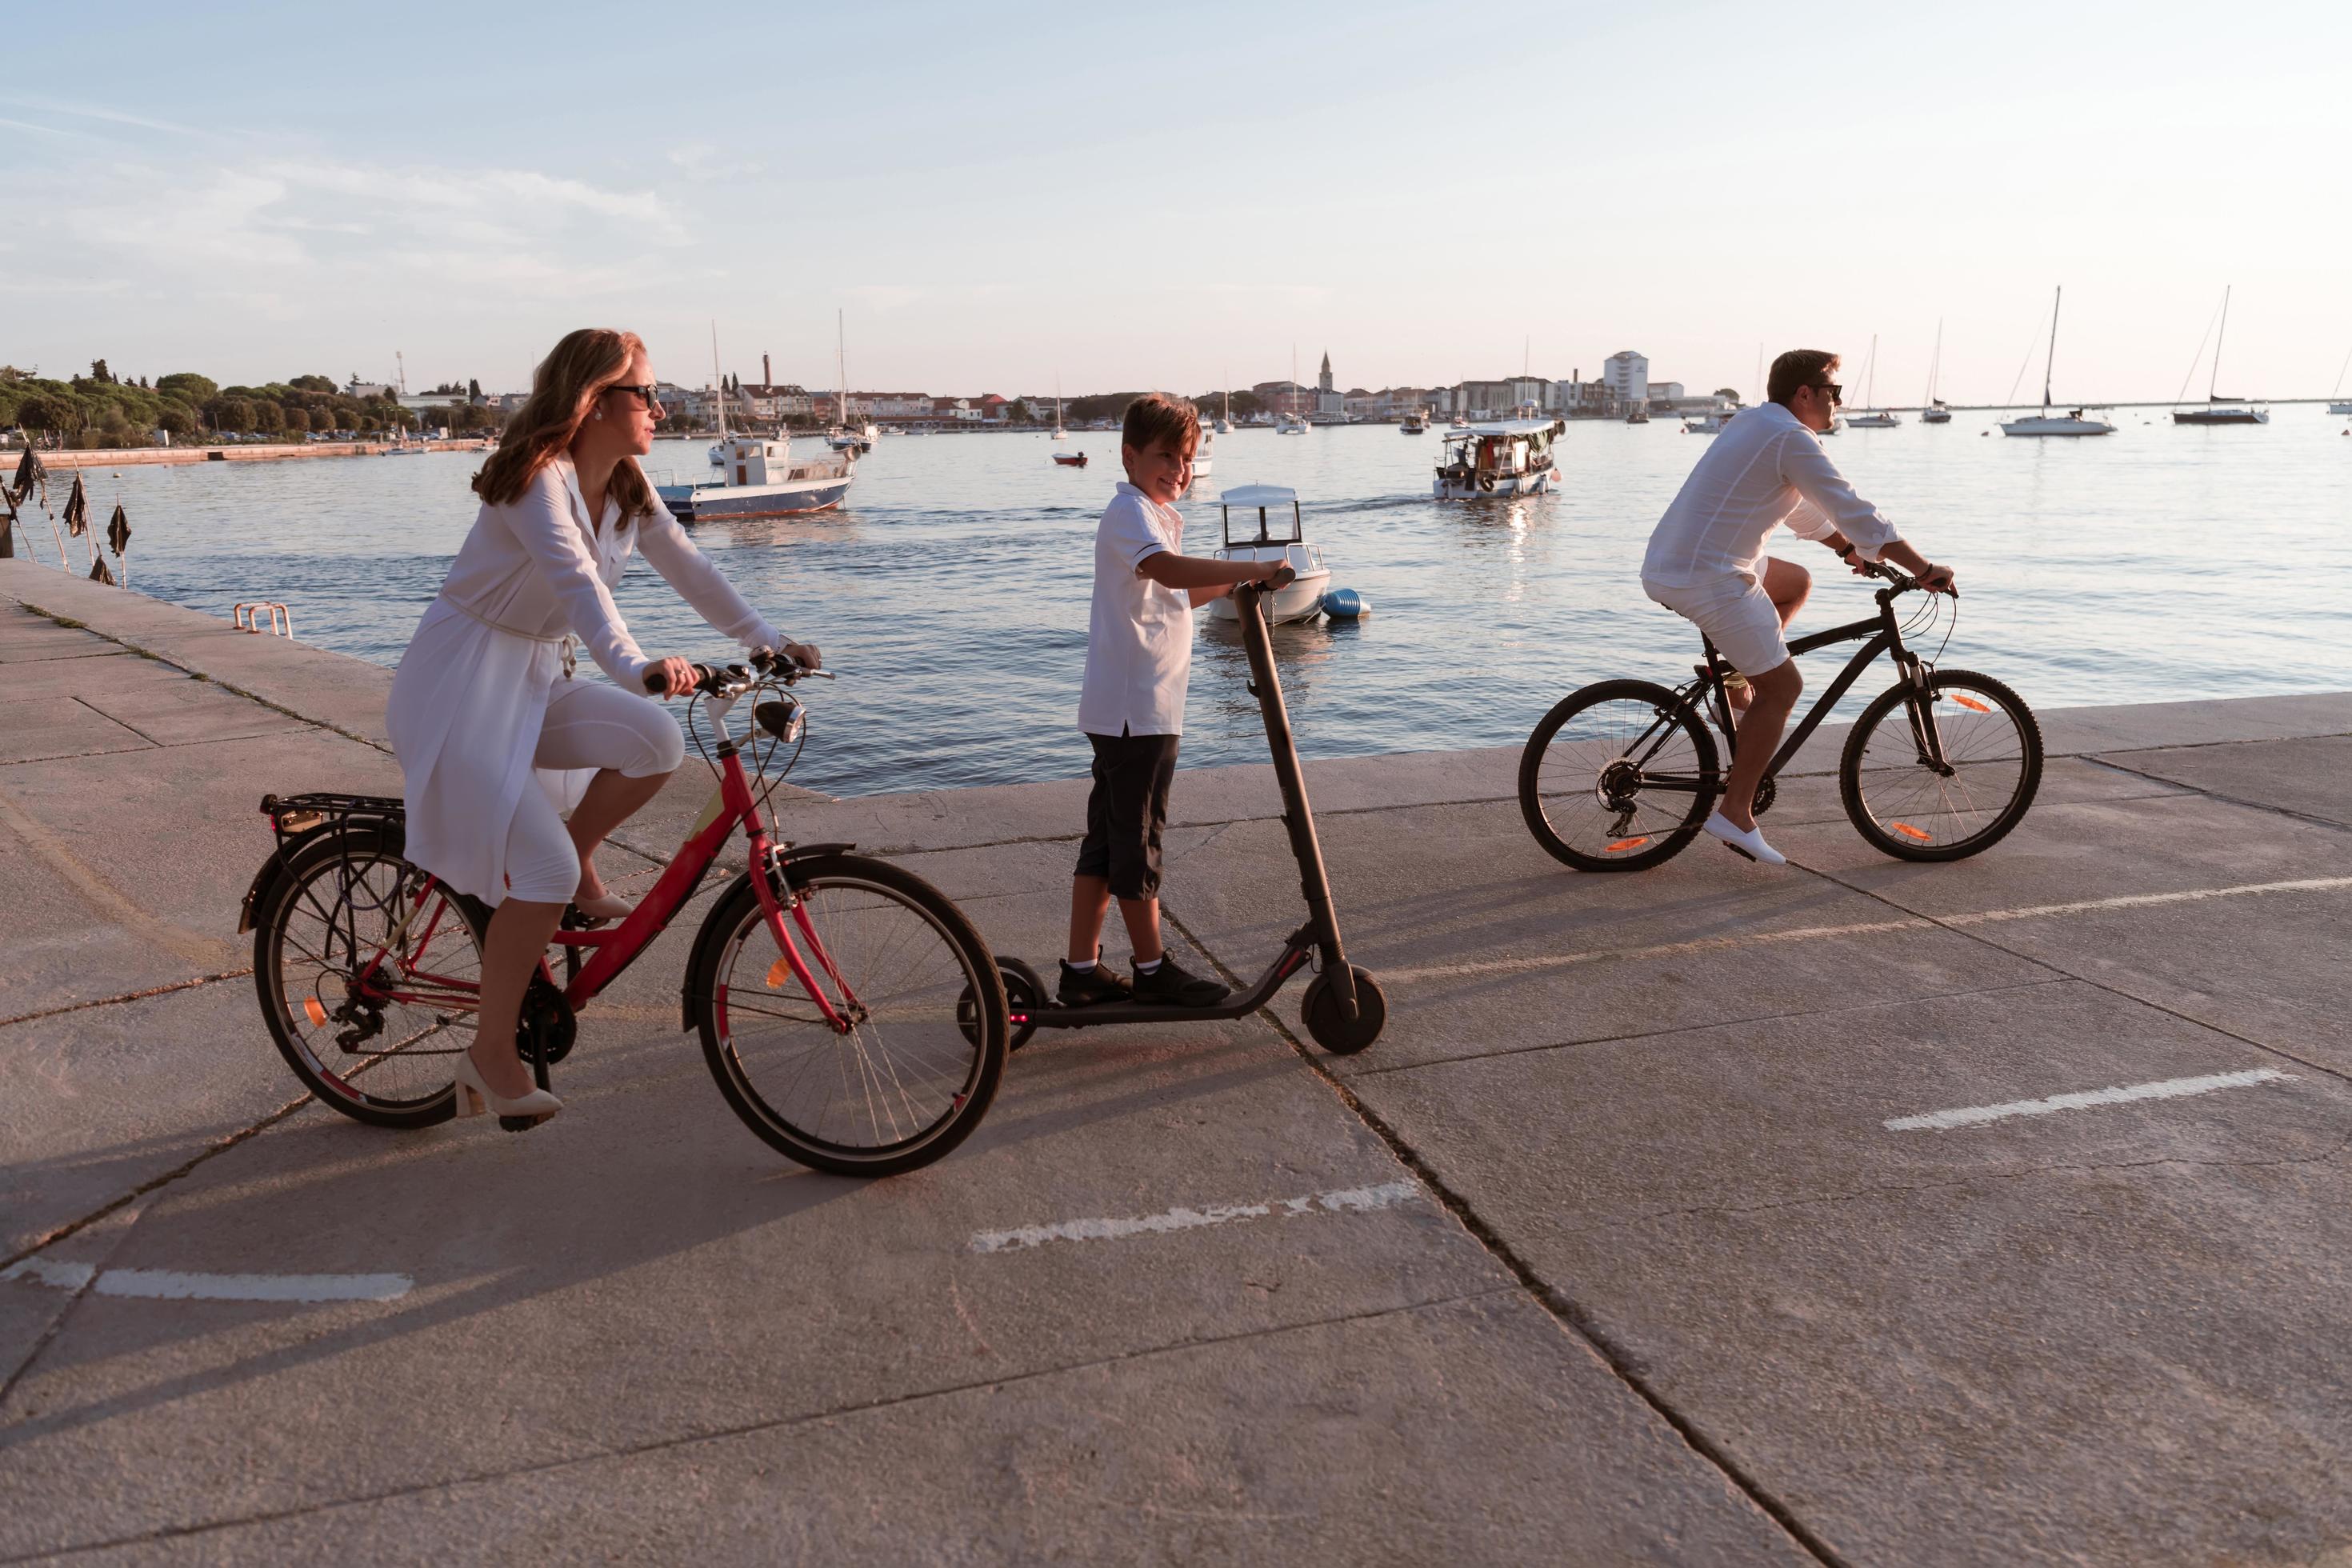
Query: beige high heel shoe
x,y
473,1096
608,907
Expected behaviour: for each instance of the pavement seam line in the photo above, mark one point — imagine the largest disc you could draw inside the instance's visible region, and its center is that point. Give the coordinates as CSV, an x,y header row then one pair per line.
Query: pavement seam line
x,y
2055,977
748,1428
1562,1308
128,996
220,1145
73,1302
2286,811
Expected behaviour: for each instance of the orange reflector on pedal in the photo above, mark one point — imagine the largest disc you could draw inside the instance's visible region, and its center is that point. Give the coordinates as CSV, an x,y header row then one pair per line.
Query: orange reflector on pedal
x,y
778,972
1908,831
317,1014
1624,844
1971,702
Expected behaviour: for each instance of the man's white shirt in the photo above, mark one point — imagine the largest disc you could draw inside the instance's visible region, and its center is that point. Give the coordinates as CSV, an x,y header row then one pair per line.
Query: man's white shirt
x,y
1140,632
1765,470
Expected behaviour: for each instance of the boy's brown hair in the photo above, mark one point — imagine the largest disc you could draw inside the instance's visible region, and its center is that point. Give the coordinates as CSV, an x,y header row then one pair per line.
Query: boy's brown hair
x,y
1797,367
1156,414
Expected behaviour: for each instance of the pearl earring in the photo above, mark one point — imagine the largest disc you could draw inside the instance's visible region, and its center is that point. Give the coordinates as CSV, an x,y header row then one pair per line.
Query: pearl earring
x,y
598,414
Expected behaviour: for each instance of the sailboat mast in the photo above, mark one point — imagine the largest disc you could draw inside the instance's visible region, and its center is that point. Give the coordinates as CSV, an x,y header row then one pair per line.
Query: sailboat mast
x,y
719,378
2049,359
1870,381
2217,344
841,368
1936,362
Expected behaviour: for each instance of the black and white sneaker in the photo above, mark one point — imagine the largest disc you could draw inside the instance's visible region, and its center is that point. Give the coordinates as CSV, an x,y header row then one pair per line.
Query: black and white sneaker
x,y
1087,987
1171,986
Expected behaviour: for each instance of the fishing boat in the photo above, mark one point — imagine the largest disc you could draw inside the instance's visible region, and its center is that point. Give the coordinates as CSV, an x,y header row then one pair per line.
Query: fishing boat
x,y
1637,417
1936,412
2074,421
1872,417
1507,457
1271,530
757,477
1415,423
1071,459
2220,410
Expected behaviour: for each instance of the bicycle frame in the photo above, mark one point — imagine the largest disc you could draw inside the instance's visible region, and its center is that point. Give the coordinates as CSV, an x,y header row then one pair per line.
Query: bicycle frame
x,y
611,951
1884,635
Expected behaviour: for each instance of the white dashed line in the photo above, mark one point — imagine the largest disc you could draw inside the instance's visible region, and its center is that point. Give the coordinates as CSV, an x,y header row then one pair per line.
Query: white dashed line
x,y
1356,1199
2169,1088
171,1285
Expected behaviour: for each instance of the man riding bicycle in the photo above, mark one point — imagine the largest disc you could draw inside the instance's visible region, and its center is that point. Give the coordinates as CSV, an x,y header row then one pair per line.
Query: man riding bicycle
x,y
1706,561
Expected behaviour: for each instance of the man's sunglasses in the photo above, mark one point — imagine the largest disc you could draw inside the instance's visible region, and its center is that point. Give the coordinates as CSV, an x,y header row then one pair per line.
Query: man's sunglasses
x,y
648,394
1831,390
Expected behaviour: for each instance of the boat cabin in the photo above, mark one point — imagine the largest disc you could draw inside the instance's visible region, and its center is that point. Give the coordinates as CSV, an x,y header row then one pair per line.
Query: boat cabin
x,y
753,460
1508,457
1261,523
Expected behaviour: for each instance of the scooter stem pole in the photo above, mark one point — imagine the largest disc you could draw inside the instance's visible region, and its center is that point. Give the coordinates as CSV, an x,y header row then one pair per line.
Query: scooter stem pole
x,y
1314,881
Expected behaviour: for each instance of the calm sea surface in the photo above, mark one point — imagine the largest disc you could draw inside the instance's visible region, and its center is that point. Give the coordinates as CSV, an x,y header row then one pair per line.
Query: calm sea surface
x,y
2158,563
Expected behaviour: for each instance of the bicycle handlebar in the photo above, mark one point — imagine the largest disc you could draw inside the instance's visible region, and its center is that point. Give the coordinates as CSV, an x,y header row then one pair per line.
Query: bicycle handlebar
x,y
717,681
1898,582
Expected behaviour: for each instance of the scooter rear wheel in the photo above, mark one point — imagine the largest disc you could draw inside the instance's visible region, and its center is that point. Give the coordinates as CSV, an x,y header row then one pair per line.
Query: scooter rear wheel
x,y
1024,992
1330,1025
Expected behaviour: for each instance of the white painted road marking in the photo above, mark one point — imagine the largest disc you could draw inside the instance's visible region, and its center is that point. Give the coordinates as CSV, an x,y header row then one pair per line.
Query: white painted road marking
x,y
169,1285
1358,1199
2169,1088
1866,928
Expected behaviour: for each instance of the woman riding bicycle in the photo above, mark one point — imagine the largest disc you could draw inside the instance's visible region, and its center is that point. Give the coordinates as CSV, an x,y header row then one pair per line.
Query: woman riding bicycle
x,y
485,693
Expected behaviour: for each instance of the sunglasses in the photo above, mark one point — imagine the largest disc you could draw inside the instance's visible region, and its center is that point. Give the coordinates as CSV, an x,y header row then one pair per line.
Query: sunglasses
x,y
1831,390
647,394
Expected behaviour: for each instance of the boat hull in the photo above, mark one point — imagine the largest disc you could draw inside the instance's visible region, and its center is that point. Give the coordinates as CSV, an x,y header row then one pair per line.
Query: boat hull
x,y
702,503
1936,417
1302,600
1506,485
1872,422
2339,408
2219,416
2039,426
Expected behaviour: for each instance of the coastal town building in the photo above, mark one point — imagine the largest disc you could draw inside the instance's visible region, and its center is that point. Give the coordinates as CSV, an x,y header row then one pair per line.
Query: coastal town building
x,y
1329,402
1627,377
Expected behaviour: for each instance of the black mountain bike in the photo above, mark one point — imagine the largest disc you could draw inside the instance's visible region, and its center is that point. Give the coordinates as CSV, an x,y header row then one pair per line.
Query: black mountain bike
x,y
1940,767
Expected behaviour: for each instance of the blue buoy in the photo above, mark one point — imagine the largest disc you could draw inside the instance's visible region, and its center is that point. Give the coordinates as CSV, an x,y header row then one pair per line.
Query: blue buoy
x,y
1346,605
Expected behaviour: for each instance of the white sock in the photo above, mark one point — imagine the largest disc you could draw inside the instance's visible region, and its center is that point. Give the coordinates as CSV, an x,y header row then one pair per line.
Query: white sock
x,y
1151,967
1085,968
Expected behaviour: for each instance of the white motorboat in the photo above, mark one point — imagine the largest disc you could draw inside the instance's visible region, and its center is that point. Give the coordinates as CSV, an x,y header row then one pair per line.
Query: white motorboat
x,y
1264,509
1507,457
2074,421
758,478
1872,417
1708,423
1413,424
1291,424
1203,457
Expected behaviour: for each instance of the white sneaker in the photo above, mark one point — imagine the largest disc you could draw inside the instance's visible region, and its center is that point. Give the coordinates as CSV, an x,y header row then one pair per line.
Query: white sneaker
x,y
1748,841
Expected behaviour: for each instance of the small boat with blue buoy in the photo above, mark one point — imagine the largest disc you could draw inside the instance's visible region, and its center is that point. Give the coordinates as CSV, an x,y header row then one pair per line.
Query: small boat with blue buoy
x,y
1271,530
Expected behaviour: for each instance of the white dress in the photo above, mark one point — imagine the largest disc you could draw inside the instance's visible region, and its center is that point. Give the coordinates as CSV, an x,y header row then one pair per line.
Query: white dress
x,y
472,689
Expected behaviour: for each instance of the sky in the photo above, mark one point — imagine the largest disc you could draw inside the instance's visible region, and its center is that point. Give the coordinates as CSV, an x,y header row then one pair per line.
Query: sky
x,y
994,198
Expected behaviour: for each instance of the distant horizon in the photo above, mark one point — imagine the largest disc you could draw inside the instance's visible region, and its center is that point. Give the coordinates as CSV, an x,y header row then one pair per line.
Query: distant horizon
x,y
991,203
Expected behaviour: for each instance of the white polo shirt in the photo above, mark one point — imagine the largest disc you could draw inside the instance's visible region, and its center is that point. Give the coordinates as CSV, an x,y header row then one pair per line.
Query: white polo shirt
x,y
1139,634
1765,470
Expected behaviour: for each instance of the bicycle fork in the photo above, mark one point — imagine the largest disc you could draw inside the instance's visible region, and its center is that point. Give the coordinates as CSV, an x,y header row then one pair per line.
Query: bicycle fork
x,y
1919,706
776,895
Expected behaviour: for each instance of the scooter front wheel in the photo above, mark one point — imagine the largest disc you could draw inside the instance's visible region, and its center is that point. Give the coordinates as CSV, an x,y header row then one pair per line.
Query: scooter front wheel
x,y
1024,992
1330,1025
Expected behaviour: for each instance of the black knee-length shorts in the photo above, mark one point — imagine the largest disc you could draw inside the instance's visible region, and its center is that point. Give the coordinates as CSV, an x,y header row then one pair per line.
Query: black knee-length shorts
x,y
1127,811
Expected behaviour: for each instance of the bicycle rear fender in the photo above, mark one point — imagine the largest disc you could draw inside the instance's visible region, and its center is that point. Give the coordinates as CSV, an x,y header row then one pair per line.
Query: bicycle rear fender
x,y
292,843
714,923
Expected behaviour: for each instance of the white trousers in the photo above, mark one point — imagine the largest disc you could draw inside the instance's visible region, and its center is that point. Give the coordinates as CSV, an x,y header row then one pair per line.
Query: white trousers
x,y
588,725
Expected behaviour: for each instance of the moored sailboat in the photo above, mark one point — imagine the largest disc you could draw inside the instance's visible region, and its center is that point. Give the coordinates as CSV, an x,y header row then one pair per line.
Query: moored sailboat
x,y
2074,422
2220,410
1936,412
1872,417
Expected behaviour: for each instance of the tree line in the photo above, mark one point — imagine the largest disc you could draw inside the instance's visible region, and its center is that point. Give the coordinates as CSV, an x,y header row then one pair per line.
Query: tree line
x,y
101,409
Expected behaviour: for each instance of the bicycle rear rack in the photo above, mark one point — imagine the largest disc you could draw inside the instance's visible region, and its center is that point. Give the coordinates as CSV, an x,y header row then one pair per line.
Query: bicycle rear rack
x,y
297,816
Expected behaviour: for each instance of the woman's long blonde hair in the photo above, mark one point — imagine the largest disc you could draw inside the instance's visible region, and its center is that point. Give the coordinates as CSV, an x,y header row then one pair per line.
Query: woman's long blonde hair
x,y
564,389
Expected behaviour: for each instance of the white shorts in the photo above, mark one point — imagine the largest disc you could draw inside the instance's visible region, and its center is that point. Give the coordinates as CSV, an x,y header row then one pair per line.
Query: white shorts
x,y
587,726
1736,616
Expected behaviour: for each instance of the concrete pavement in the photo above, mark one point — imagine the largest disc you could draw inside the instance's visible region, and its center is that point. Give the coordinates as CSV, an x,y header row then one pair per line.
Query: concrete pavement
x,y
1627,1242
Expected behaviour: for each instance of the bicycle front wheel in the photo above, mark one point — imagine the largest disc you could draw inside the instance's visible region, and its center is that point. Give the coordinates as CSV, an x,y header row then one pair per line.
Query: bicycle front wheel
x,y
909,1061
1905,804
1617,777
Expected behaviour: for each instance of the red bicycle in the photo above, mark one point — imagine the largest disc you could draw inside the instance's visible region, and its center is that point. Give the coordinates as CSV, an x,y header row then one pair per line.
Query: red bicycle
x,y
853,1017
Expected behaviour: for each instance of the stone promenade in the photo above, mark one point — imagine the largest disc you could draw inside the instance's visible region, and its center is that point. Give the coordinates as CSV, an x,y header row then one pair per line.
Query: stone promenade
x,y
1651,1231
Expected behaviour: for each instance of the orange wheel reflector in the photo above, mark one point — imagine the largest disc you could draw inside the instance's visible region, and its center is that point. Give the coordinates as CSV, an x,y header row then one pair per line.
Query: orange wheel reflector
x,y
779,973
1908,831
317,1014
1971,702
1624,844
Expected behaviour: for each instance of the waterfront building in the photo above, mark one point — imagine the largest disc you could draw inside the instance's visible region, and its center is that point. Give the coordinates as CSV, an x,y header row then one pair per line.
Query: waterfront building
x,y
1627,377
1284,396
1329,402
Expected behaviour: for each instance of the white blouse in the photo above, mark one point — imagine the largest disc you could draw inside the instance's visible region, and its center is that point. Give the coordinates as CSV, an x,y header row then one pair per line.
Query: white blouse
x,y
1765,470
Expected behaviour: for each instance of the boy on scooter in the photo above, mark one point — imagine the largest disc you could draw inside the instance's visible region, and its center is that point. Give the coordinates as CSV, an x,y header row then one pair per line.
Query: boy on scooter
x,y
1138,662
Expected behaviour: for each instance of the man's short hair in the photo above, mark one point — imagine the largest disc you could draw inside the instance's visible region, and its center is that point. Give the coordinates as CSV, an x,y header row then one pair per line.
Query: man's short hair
x,y
1797,367
1156,414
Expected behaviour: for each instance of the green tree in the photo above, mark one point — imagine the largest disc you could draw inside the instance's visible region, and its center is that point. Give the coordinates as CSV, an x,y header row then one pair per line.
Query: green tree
x,y
312,384
197,389
267,418
474,390
97,371
177,420
322,419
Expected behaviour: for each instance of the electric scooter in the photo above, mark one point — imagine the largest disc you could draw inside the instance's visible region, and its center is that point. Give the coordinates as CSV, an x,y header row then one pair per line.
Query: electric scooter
x,y
1343,1008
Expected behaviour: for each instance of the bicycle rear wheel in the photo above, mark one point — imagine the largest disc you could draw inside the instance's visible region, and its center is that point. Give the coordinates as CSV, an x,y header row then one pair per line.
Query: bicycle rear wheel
x,y
1590,780
918,1063
1906,806
368,973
